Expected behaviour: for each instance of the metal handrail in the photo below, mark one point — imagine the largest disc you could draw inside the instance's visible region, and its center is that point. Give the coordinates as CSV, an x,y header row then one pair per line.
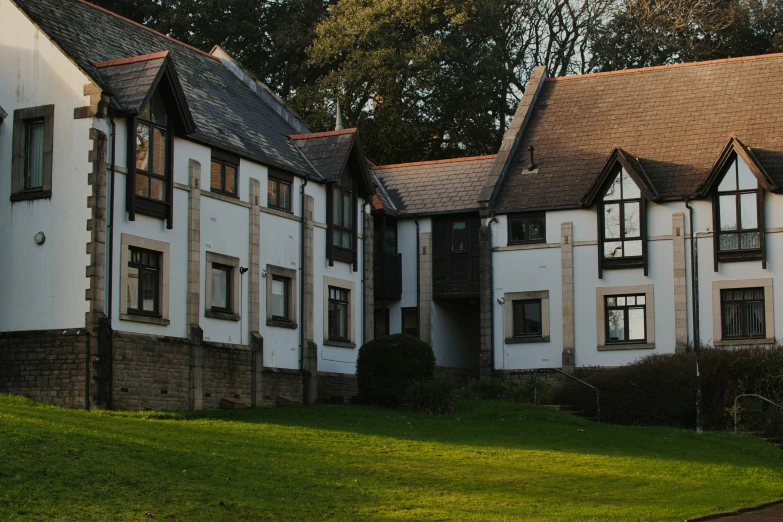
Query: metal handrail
x,y
750,395
597,393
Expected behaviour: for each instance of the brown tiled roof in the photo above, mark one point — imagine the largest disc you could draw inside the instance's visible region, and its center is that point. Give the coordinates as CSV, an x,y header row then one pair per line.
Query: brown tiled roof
x,y
327,151
431,187
130,79
675,120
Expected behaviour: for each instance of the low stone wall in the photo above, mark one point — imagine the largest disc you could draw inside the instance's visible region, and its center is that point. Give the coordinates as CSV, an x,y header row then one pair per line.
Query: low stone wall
x,y
336,387
227,373
45,365
281,381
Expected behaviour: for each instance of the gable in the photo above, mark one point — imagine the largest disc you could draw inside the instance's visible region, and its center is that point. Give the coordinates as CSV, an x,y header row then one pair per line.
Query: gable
x,y
736,152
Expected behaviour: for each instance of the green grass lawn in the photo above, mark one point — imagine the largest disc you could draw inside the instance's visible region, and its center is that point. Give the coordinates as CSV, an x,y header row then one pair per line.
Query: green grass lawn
x,y
489,461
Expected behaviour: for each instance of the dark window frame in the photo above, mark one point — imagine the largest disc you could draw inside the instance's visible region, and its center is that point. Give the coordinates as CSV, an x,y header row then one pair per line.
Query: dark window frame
x,y
19,161
609,263
625,308
526,218
521,303
743,316
414,310
225,160
141,268
229,270
286,298
285,179
466,234
335,252
338,302
384,313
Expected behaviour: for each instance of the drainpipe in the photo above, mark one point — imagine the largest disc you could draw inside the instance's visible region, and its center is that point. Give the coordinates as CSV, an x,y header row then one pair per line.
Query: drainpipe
x,y
364,253
695,307
494,219
110,226
418,283
301,273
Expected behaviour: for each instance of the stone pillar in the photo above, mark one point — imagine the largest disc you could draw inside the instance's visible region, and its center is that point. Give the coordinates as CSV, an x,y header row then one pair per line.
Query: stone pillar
x,y
309,347
254,277
425,287
257,379
567,283
369,279
194,243
680,283
485,302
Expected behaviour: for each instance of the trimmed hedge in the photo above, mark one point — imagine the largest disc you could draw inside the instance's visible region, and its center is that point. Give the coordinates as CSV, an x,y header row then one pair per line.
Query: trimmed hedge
x,y
434,396
387,365
661,390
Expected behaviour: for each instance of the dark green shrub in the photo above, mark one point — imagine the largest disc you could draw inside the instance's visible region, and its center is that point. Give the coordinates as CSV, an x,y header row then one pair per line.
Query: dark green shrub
x,y
499,389
492,389
434,396
661,390
386,365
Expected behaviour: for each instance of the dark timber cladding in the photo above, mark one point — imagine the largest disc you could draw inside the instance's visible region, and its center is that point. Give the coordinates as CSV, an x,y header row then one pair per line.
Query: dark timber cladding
x,y
455,253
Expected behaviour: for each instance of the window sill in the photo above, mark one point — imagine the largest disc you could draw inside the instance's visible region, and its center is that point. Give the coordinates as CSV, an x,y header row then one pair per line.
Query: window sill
x,y
31,194
744,342
280,209
629,346
618,263
225,316
728,256
282,324
145,319
526,340
516,243
340,344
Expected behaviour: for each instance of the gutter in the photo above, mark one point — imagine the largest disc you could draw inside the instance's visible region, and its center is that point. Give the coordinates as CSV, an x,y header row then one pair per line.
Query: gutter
x,y
301,273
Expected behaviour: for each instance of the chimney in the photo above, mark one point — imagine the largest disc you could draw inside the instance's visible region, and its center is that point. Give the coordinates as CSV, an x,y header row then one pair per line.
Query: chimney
x,y
532,163
339,123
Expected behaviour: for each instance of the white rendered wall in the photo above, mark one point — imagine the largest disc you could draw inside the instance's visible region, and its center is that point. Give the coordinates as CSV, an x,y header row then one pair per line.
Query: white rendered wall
x,y
43,287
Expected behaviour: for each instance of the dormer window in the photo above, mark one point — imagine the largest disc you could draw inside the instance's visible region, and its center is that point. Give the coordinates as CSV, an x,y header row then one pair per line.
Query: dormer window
x,y
152,151
622,210
343,226
737,204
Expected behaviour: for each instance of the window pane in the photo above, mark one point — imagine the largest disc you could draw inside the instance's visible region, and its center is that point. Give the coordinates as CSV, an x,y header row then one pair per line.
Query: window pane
x,y
748,214
636,324
612,221
632,248
150,288
613,249
728,242
750,240
728,212
219,288
337,196
732,322
271,193
754,318
614,190
346,239
533,318
616,325
459,237
157,189
279,308
631,220
215,174
158,111
285,196
640,299
142,147
133,288
611,301
621,301
158,151
410,319
631,300
142,185
537,229
347,210
231,179
342,320
747,181
630,190
34,154
729,181
518,230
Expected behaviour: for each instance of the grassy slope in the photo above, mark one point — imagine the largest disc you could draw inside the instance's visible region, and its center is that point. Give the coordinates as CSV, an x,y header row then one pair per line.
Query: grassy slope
x,y
487,462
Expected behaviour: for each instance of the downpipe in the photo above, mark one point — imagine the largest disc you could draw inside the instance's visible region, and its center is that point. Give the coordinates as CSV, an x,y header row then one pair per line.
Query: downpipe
x,y
695,307
301,272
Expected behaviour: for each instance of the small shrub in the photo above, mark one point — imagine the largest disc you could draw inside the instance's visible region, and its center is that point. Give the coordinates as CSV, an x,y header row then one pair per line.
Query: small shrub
x,y
492,389
499,389
386,365
434,396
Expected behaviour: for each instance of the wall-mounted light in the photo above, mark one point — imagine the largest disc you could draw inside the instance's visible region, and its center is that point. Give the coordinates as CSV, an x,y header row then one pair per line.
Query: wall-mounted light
x,y
39,238
501,300
264,273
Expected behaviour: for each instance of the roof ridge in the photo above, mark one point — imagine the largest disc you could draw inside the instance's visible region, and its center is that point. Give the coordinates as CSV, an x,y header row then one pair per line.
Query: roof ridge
x,y
638,70
432,162
132,59
322,134
128,20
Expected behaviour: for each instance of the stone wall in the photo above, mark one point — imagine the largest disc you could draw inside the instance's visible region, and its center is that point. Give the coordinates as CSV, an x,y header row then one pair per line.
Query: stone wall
x,y
336,387
45,365
227,374
279,381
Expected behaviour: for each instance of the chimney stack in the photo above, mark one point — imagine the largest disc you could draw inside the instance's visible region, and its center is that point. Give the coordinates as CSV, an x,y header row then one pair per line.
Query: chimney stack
x,y
339,120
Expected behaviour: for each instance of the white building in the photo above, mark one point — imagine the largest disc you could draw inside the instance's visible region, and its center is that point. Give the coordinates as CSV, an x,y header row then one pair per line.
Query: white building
x,y
143,265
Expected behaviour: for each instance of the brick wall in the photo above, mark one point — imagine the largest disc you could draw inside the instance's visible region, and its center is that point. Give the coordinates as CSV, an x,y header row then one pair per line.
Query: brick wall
x,y
279,381
336,387
45,365
227,373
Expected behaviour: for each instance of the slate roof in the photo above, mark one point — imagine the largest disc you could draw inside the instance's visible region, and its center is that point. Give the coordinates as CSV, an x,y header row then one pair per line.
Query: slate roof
x,y
432,187
130,79
227,113
327,151
675,120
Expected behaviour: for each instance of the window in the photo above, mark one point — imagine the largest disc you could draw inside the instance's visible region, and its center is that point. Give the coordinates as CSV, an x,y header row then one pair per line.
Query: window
x,y
31,162
410,321
279,192
626,318
224,173
341,212
529,228
381,323
527,318
459,237
281,301
742,313
222,279
338,314
737,203
280,298
622,224
143,282
152,151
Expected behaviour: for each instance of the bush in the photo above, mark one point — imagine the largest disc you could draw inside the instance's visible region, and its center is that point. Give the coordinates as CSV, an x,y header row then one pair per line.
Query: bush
x,y
499,389
430,396
661,390
387,365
